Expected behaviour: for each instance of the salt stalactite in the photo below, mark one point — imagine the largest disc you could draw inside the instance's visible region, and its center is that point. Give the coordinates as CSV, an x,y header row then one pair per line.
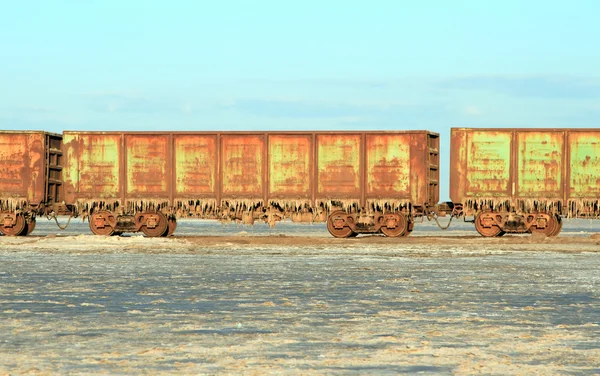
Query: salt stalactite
x,y
85,206
290,206
492,203
12,204
348,205
146,205
548,205
201,208
584,208
390,205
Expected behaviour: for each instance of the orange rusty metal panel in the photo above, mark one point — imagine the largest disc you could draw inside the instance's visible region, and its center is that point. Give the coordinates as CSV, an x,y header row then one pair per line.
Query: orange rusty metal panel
x,y
432,156
289,165
195,164
388,165
458,164
488,163
338,165
147,160
480,164
22,166
92,166
539,164
70,167
242,165
419,169
584,156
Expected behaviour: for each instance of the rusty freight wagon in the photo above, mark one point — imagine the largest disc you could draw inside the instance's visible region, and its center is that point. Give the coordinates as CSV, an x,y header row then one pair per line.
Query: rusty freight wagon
x,y
525,180
357,182
30,178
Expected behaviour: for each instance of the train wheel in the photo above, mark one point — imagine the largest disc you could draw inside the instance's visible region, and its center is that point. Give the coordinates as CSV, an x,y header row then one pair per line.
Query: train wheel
x,y
559,227
103,223
172,225
486,227
337,224
552,228
155,224
409,229
394,225
12,224
30,227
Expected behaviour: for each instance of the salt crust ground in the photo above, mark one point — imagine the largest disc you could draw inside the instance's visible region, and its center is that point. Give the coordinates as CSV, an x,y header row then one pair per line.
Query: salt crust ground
x,y
292,300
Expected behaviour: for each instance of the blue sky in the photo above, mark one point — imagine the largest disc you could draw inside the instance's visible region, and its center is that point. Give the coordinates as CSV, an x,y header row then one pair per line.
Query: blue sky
x,y
304,65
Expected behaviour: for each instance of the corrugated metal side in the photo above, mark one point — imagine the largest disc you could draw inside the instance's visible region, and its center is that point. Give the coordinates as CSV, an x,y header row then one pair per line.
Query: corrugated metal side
x,y
388,166
147,163
92,167
195,165
290,158
584,164
242,166
22,166
540,158
338,166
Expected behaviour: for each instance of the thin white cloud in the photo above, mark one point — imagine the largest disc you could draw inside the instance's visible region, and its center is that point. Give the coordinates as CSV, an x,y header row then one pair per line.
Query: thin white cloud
x,y
472,110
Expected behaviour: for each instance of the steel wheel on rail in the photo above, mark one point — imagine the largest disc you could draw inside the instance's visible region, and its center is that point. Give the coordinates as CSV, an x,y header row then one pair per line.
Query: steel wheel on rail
x,y
30,227
337,224
409,229
553,226
103,223
559,227
12,224
486,226
394,225
155,224
172,225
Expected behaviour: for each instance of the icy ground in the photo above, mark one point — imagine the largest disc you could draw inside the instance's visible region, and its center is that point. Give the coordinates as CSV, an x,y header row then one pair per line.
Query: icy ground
x,y
292,300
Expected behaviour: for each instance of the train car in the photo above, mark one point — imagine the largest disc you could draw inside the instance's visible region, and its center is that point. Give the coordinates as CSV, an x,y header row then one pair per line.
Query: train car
x,y
30,178
525,180
357,182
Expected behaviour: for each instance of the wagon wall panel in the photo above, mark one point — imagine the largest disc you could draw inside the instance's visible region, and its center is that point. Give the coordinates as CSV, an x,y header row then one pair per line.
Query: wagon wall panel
x,y
22,167
242,158
290,158
195,165
338,166
584,163
388,166
98,168
147,165
481,163
489,163
540,161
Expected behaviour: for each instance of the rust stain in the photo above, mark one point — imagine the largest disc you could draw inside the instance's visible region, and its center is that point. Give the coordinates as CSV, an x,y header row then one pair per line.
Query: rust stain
x,y
22,171
289,165
93,162
488,163
242,164
147,162
388,165
338,165
584,167
195,164
539,164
